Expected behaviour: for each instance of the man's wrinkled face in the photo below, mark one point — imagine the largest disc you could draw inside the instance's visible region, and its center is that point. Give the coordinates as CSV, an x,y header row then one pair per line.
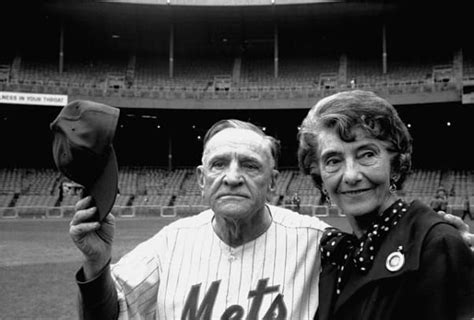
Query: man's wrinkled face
x,y
237,173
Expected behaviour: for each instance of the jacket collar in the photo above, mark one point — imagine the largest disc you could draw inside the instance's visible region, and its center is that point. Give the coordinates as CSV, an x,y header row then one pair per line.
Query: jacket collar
x,y
408,234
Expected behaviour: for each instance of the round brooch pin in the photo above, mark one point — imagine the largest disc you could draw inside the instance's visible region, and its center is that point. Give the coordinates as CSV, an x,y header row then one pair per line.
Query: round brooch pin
x,y
395,261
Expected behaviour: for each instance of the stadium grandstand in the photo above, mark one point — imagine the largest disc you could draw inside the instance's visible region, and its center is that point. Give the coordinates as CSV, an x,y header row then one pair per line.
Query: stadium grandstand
x,y
174,67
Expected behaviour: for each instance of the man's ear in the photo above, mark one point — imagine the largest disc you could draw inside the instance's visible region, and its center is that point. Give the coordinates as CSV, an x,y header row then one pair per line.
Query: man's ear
x,y
200,176
273,181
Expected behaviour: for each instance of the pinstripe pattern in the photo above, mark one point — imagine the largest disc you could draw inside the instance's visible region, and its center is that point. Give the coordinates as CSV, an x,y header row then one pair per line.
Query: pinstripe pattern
x,y
155,280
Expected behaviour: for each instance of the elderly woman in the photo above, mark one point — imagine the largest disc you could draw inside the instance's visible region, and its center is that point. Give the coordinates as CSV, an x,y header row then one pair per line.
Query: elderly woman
x,y
402,261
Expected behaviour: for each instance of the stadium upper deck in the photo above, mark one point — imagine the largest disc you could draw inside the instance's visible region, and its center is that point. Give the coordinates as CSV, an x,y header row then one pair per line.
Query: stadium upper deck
x,y
259,54
270,62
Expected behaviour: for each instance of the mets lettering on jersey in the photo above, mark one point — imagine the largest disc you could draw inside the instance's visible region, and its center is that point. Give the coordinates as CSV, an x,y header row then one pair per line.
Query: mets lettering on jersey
x,y
186,272
191,311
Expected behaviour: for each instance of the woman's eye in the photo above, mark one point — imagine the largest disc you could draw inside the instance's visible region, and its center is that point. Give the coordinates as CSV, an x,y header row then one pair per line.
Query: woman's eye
x,y
332,164
332,161
368,154
367,157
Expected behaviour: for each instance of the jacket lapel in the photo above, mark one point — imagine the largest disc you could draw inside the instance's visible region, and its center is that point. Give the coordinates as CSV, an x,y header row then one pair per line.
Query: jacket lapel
x,y
409,235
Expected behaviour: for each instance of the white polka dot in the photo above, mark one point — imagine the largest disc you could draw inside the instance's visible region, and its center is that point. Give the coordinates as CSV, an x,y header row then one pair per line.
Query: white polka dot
x,y
333,243
371,248
371,257
328,253
345,256
361,259
338,291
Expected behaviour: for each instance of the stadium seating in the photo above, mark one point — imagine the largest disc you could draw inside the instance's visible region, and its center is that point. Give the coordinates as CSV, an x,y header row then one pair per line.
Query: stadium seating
x,y
193,77
6,200
31,206
11,180
127,182
148,191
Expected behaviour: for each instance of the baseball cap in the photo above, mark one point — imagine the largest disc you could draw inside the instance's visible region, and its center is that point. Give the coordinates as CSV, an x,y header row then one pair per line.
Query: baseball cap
x,y
83,151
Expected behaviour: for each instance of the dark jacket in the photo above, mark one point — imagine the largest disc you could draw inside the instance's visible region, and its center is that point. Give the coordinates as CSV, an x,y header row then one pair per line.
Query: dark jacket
x,y
435,282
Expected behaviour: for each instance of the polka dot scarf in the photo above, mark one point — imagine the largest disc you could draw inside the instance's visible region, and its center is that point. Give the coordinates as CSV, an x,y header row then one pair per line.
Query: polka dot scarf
x,y
346,251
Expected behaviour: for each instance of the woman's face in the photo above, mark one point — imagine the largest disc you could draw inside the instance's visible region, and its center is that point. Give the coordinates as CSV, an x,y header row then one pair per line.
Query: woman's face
x,y
355,174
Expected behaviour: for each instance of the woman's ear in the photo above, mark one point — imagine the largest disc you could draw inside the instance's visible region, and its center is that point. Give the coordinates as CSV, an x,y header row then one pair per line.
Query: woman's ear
x,y
394,177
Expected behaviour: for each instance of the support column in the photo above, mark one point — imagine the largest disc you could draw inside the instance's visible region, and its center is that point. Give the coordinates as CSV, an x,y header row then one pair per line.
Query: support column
x,y
171,51
61,48
384,50
170,152
275,49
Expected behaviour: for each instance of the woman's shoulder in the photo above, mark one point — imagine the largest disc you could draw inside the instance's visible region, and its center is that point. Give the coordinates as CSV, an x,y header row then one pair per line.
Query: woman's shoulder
x,y
424,221
444,234
420,215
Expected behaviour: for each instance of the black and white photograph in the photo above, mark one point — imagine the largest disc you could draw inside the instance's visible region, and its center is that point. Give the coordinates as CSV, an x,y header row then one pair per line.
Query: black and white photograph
x,y
236,159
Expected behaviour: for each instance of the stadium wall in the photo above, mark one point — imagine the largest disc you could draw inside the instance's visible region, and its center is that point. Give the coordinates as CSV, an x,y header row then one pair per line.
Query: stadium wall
x,y
218,2
264,104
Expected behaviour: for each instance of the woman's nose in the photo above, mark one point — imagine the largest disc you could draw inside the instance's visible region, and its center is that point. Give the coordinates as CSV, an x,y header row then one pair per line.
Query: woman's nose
x,y
352,172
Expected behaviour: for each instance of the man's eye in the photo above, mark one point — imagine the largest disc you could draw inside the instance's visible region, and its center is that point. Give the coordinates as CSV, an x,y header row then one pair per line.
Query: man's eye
x,y
217,165
250,166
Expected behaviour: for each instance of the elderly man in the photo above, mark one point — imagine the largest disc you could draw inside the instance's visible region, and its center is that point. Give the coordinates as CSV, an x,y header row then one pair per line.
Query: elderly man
x,y
242,258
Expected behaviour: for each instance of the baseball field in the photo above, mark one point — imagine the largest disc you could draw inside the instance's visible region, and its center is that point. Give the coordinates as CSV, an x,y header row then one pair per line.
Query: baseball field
x,y
38,262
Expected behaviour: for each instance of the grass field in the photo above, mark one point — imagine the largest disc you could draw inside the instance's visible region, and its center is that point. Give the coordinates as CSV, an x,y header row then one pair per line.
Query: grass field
x,y
38,262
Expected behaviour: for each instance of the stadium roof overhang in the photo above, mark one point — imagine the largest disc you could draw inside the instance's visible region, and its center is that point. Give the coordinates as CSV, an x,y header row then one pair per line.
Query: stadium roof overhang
x,y
201,10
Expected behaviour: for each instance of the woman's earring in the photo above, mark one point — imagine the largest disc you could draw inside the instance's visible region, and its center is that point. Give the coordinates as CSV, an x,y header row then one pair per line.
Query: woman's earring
x,y
327,200
393,186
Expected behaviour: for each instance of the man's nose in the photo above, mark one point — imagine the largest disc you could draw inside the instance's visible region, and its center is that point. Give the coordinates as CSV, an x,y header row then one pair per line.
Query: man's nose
x,y
233,174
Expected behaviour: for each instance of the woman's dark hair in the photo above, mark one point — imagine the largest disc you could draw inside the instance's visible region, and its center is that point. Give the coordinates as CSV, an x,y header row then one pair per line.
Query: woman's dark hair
x,y
346,111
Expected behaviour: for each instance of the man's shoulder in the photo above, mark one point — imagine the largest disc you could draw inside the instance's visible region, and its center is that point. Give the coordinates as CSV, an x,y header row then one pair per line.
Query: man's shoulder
x,y
292,219
195,221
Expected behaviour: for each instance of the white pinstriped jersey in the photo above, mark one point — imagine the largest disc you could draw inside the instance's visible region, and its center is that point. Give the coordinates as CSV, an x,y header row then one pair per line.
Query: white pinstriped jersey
x,y
186,272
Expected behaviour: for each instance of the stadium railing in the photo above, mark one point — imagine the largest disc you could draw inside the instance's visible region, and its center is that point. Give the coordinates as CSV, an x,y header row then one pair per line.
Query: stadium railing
x,y
179,211
259,91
